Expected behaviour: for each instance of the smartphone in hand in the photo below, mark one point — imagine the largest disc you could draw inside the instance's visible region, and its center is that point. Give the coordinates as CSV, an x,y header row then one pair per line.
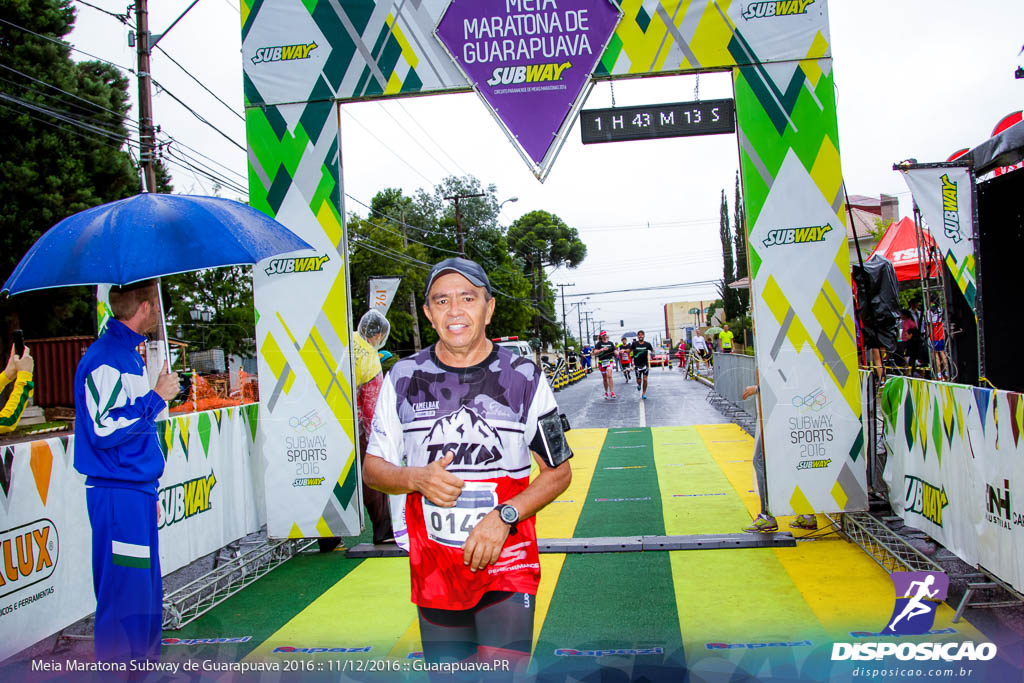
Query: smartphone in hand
x,y
19,343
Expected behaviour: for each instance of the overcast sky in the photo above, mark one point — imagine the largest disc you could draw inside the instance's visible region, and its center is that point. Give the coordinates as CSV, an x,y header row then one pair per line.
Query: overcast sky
x,y
914,78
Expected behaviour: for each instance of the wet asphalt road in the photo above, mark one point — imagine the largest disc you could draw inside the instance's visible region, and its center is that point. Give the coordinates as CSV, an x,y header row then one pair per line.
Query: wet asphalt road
x,y
672,401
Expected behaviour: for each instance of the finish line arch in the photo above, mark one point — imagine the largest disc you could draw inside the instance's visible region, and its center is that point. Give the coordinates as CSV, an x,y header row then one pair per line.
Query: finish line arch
x,y
304,59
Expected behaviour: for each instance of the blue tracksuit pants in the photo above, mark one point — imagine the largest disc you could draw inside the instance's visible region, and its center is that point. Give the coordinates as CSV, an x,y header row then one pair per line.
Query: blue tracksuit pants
x,y
125,574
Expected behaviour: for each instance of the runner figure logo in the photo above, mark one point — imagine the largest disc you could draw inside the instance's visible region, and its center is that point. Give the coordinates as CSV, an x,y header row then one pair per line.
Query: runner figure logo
x,y
918,595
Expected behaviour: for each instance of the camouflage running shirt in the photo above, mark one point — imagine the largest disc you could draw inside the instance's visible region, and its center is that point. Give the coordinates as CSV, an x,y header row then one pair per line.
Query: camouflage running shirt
x,y
487,415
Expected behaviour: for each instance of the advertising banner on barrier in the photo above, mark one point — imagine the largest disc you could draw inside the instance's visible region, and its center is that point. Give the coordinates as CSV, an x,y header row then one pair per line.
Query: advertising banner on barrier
x,y
210,495
946,199
955,455
382,292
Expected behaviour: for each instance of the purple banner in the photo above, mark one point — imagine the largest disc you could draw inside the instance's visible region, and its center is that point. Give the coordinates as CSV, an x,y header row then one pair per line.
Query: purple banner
x,y
529,59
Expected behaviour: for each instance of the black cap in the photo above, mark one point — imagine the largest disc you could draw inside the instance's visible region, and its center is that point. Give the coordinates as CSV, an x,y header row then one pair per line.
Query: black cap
x,y
470,270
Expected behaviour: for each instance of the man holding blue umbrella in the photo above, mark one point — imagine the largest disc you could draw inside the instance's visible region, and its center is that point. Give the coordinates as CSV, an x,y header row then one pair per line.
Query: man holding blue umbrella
x,y
116,448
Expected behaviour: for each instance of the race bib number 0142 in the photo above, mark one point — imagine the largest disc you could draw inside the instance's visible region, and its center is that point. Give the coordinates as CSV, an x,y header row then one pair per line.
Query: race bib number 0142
x,y
451,526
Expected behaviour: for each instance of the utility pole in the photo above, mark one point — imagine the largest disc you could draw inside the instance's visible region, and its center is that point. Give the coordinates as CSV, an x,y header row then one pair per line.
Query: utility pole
x,y
412,297
458,219
579,324
565,331
144,43
146,132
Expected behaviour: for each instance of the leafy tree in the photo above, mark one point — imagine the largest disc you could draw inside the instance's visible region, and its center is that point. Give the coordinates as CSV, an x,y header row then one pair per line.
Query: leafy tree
x,y
227,294
50,167
543,239
376,248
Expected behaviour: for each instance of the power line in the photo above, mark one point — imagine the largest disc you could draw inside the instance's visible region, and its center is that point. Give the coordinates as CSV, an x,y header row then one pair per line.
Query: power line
x,y
91,138
63,117
68,46
89,115
33,78
411,137
201,84
123,18
198,115
431,138
678,285
385,146
173,139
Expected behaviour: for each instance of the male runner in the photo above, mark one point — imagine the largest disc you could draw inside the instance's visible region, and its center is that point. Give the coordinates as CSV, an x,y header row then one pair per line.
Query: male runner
x,y
642,352
605,352
725,337
454,428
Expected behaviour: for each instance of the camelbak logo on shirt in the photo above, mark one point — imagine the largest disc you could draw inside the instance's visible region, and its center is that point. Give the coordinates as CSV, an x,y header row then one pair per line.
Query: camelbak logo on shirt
x,y
469,438
797,235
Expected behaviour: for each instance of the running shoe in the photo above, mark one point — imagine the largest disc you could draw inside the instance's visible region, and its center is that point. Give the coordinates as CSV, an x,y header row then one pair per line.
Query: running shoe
x,y
606,395
644,397
809,522
763,522
638,387
613,394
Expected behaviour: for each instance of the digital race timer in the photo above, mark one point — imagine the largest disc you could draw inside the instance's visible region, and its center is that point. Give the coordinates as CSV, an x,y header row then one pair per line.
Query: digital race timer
x,y
707,117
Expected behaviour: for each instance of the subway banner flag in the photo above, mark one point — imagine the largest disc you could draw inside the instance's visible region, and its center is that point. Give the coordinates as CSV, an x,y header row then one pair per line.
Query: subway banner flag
x,y
946,201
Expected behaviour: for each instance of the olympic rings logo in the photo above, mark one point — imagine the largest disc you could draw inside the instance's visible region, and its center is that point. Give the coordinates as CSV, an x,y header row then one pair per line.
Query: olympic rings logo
x,y
816,400
310,422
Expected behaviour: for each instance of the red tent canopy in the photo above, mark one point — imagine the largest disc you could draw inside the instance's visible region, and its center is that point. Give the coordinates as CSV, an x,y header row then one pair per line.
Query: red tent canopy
x,y
899,246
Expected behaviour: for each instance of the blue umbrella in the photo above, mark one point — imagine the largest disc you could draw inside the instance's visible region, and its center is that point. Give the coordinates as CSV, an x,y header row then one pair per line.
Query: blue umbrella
x,y
146,236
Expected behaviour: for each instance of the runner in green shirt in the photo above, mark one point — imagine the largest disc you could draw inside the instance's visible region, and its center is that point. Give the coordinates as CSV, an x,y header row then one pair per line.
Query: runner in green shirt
x,y
725,337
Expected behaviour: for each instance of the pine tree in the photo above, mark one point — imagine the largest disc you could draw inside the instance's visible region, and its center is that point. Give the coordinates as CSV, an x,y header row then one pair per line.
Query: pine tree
x,y
729,298
50,166
739,220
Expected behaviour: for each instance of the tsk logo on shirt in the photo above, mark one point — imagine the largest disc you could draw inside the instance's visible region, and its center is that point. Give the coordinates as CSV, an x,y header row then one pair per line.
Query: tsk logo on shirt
x,y
464,433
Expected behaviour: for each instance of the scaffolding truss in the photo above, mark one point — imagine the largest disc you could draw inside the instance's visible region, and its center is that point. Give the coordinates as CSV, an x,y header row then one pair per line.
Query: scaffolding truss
x,y
235,568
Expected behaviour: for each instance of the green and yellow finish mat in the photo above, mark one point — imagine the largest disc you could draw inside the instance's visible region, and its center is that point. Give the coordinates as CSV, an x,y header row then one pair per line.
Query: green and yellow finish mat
x,y
771,614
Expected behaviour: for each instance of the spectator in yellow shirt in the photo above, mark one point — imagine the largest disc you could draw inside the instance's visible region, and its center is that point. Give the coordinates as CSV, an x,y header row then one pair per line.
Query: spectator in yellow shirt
x,y
725,338
19,371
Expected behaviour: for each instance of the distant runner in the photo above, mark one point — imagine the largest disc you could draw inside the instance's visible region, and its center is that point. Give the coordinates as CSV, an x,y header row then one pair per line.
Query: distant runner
x,y
725,337
642,352
604,351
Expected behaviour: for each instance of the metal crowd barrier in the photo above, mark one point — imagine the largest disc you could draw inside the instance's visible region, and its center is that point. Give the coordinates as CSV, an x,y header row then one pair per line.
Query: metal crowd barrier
x,y
734,373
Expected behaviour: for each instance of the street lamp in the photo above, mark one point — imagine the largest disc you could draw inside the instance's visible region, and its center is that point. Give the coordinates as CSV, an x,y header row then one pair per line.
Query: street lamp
x,y
510,199
201,315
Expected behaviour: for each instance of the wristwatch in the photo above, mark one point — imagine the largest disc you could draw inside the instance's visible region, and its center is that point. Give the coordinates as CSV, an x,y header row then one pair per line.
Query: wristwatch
x,y
509,515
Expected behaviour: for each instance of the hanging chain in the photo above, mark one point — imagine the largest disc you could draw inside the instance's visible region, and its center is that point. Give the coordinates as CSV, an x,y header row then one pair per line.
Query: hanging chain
x,y
696,88
611,85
